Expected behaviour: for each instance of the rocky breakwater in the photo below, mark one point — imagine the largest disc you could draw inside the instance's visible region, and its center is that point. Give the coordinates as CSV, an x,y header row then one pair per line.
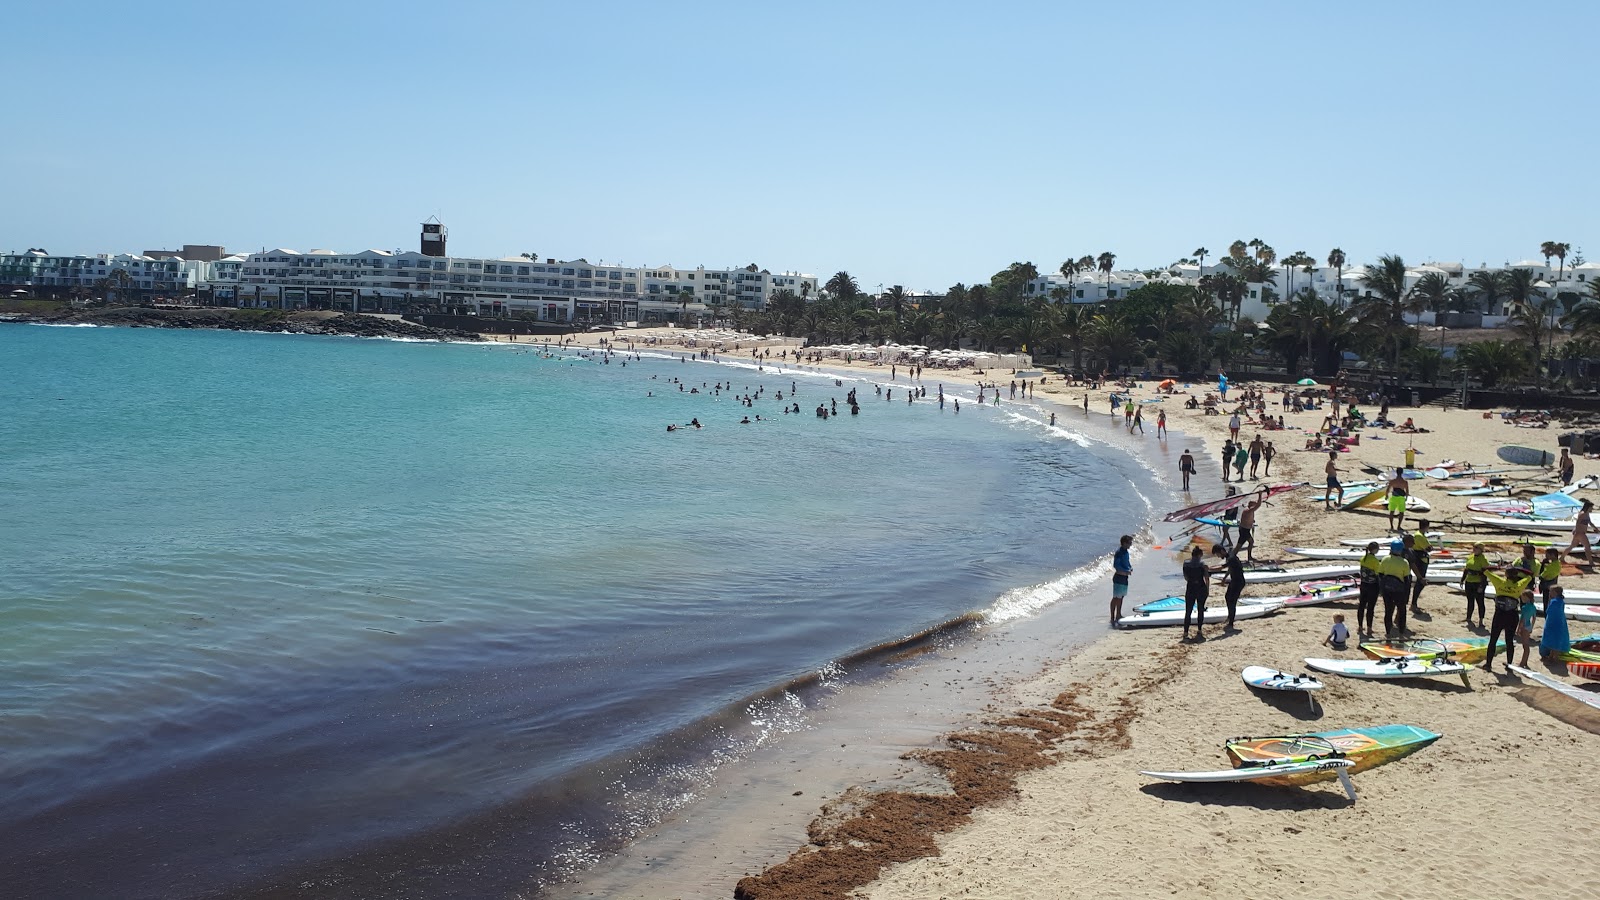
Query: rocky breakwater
x,y
303,322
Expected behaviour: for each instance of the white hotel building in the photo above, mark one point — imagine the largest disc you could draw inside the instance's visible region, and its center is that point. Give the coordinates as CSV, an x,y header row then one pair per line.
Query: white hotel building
x,y
549,289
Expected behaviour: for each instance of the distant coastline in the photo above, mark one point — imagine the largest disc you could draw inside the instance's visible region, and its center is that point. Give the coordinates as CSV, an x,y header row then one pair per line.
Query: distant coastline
x,y
224,319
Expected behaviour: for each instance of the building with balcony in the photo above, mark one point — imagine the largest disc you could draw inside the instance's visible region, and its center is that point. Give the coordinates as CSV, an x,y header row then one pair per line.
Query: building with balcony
x,y
133,278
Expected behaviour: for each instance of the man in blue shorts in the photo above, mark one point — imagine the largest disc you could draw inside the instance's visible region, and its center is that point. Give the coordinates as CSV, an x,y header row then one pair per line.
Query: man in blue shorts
x,y
1121,572
1334,487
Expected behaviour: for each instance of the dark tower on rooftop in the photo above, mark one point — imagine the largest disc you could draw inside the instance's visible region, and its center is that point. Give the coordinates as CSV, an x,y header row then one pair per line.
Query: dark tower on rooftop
x,y
433,237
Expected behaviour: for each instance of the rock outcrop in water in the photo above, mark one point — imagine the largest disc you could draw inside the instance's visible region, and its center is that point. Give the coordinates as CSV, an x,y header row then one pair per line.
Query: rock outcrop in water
x,y
303,322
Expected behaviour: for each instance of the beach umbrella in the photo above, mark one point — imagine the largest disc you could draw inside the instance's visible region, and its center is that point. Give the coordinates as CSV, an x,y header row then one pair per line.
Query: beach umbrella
x,y
1308,382
1166,384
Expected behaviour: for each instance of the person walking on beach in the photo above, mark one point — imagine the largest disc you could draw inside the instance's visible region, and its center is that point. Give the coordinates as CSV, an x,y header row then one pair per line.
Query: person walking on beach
x,y
1564,466
1121,573
1334,487
1474,580
1138,421
1396,492
1233,427
1234,567
1127,413
1161,425
1394,572
1247,528
1580,533
1240,456
1267,453
1227,458
1256,446
1509,591
1196,590
1367,599
1186,467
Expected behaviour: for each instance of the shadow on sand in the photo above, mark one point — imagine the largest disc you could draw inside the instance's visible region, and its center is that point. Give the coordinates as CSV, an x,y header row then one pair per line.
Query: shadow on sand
x,y
1255,796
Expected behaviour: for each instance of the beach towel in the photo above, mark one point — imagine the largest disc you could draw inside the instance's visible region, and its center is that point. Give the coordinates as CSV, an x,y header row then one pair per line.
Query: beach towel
x,y
1555,639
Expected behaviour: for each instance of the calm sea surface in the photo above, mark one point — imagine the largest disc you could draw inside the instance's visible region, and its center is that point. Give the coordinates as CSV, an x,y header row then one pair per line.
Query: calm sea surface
x,y
287,615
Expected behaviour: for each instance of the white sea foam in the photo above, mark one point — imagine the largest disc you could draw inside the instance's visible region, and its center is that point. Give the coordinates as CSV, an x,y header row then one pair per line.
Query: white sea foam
x,y
1025,601
64,324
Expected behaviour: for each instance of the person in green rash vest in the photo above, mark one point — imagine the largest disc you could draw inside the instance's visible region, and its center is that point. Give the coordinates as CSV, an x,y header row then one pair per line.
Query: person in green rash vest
x,y
1394,572
1473,580
1508,590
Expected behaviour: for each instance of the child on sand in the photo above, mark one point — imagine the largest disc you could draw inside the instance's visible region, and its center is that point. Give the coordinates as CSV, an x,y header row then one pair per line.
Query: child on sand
x,y
1121,573
1530,611
1338,636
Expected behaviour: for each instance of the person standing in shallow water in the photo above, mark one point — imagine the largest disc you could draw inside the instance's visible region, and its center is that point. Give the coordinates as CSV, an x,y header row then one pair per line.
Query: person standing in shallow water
x,y
1121,574
1186,468
1196,590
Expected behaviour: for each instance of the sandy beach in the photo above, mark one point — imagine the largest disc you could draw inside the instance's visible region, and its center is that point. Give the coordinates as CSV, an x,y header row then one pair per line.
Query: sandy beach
x,y
1049,800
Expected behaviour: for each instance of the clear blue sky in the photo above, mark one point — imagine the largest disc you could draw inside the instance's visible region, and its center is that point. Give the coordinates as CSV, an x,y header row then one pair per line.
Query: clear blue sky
x,y
918,143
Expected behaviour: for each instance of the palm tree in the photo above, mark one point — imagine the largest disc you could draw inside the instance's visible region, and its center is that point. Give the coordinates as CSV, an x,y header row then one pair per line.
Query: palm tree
x,y
1069,271
843,286
1200,255
1228,288
1384,311
1295,260
1336,259
1238,251
1557,249
1434,290
1489,287
1492,361
1073,327
1529,309
896,297
1104,263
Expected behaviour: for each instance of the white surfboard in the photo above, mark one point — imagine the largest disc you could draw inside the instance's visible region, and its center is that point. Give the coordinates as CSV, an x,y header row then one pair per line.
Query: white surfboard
x,y
1166,604
1386,669
1383,542
1270,679
1216,614
1536,525
1252,773
1277,575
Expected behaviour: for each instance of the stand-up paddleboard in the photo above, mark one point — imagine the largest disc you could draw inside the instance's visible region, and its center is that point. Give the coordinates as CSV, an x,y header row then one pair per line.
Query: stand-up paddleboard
x,y
1387,669
1278,574
1170,603
1434,537
1316,595
1582,613
1269,679
1458,484
1588,481
1525,456
1546,526
1216,614
1336,553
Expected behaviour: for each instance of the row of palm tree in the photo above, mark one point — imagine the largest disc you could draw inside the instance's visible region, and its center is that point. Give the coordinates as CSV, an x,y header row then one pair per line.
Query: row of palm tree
x,y
1192,327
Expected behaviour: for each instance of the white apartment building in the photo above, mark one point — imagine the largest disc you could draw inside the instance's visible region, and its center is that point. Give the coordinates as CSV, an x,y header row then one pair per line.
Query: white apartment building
x,y
40,272
554,290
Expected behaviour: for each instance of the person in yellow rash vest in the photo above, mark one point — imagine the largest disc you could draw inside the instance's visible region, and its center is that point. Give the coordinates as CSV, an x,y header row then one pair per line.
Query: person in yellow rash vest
x,y
1394,571
1474,582
1508,590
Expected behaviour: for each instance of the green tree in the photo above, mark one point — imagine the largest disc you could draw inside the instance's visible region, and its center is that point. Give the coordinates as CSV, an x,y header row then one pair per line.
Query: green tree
x,y
1105,262
1336,259
1383,310
1491,362
843,285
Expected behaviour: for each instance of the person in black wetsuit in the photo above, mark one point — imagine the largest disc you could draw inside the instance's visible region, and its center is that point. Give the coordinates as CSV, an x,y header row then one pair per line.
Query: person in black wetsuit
x,y
1234,566
1367,604
1197,589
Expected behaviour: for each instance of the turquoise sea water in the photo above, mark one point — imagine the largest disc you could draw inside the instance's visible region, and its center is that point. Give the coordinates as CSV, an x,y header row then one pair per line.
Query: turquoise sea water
x,y
421,619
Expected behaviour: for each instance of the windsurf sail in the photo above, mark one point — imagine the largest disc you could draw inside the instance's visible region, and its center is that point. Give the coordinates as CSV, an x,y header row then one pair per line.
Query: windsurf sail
x,y
1216,506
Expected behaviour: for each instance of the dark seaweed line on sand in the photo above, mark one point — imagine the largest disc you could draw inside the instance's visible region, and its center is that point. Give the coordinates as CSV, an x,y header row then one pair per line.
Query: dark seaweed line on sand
x,y
862,834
